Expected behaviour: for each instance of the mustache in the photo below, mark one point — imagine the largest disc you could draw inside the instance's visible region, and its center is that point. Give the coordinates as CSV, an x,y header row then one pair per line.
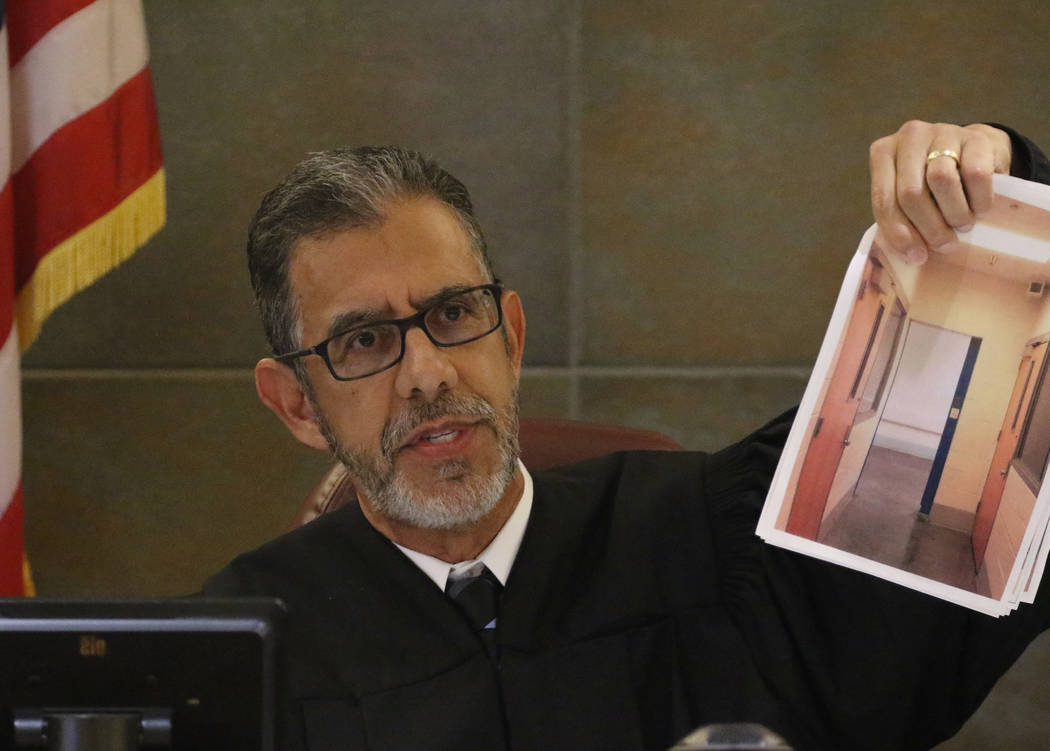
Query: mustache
x,y
397,429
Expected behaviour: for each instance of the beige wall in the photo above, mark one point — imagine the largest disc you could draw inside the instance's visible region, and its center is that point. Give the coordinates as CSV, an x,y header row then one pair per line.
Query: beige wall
x,y
1042,323
674,187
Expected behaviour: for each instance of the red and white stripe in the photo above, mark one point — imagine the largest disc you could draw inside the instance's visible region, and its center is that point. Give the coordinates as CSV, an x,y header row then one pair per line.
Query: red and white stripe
x,y
10,394
78,136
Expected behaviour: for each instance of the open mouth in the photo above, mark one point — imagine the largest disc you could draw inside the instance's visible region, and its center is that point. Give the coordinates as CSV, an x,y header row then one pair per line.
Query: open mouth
x,y
445,436
439,435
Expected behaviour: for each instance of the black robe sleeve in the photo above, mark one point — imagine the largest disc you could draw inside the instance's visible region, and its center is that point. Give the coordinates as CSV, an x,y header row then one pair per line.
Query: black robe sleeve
x,y
1028,162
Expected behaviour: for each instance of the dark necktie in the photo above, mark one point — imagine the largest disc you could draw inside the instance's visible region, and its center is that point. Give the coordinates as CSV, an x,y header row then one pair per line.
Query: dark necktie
x,y
475,590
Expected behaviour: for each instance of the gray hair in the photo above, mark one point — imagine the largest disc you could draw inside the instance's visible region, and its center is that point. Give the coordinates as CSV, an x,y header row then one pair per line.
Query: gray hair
x,y
332,191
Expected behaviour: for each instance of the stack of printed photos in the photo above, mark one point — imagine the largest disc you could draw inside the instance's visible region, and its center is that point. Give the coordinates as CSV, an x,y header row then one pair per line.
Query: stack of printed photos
x,y
921,444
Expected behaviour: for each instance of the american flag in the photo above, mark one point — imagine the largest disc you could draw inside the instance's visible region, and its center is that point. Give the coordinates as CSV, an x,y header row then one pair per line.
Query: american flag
x,y
83,187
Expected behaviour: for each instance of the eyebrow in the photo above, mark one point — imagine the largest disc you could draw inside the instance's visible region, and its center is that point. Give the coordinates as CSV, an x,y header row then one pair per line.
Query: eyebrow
x,y
353,318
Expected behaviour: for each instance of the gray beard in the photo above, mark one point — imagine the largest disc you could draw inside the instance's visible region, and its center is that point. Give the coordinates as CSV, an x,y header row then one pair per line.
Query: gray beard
x,y
465,497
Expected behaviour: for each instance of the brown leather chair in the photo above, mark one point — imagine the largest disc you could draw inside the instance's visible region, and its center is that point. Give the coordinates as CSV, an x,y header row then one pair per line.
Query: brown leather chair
x,y
545,442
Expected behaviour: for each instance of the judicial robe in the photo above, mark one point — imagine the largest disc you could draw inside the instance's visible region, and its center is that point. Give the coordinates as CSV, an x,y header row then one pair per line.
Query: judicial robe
x,y
641,605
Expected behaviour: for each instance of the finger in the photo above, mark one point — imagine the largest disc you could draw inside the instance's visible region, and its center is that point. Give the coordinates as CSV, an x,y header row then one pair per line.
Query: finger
x,y
895,230
913,193
916,255
976,167
946,185
999,143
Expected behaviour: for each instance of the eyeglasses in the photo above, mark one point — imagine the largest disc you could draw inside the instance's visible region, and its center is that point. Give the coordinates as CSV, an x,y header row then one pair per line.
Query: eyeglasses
x,y
370,348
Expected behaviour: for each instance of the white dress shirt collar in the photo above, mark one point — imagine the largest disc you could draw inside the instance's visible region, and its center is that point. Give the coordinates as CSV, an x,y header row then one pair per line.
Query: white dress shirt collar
x,y
498,556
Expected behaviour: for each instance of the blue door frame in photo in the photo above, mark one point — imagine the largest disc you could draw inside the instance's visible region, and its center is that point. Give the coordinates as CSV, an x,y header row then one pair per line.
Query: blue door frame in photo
x,y
949,426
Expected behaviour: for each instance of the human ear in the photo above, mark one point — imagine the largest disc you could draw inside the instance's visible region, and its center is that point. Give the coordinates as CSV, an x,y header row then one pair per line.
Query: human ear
x,y
514,325
280,390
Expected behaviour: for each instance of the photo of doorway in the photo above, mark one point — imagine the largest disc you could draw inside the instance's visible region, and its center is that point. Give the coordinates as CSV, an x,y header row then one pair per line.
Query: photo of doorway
x,y
912,456
921,443
885,516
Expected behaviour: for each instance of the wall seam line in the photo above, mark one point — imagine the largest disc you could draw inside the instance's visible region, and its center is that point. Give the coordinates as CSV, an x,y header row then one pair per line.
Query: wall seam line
x,y
574,168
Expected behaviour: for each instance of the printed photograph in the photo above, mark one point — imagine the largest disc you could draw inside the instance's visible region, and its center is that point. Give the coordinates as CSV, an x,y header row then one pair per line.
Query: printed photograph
x,y
927,445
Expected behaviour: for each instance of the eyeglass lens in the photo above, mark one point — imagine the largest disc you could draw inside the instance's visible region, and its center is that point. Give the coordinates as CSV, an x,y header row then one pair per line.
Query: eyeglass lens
x,y
454,320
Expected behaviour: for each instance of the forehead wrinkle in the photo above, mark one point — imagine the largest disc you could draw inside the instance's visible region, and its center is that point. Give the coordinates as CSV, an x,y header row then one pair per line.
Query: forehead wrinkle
x,y
351,318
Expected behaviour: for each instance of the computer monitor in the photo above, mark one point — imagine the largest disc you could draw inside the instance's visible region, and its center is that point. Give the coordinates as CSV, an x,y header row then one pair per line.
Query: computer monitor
x,y
194,674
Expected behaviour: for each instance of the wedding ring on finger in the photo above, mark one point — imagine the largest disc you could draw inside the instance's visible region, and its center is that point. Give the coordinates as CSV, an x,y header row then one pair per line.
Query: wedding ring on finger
x,y
942,152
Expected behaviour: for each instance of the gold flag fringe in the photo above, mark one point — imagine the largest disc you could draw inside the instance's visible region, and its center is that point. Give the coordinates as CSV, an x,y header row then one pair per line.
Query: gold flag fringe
x,y
27,578
79,260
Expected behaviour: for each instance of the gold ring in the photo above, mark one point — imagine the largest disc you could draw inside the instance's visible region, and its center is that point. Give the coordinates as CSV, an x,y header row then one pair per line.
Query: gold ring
x,y
942,152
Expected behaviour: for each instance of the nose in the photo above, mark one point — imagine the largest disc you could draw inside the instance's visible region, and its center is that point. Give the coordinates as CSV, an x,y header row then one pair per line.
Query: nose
x,y
426,370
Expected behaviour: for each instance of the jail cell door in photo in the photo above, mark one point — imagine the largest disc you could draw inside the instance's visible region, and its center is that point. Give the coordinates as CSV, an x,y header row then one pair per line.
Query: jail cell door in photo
x,y
839,409
1006,446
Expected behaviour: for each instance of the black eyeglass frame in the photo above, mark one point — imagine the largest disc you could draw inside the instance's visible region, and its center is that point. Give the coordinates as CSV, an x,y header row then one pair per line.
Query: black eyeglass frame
x,y
417,320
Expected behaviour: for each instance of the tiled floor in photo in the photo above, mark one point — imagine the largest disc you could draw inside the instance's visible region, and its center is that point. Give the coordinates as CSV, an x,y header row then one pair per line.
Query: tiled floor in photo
x,y
880,522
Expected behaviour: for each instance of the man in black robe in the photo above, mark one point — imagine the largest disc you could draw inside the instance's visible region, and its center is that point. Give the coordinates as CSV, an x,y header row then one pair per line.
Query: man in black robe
x,y
618,603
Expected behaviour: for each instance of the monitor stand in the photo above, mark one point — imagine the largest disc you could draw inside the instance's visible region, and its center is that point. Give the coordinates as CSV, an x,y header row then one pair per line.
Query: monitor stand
x,y
88,730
